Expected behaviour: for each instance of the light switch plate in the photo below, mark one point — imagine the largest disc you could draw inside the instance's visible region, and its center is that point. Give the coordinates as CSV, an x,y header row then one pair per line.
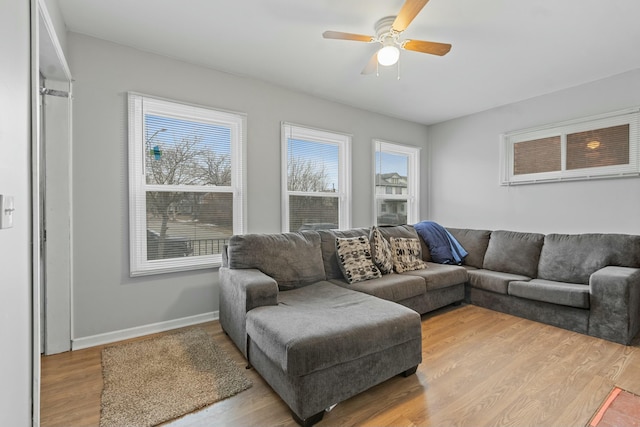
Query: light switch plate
x,y
6,211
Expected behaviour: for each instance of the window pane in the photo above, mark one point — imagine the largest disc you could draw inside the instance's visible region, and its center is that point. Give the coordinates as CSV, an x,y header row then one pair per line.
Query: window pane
x,y
312,166
187,224
396,186
391,212
599,147
602,146
391,173
186,152
537,155
312,213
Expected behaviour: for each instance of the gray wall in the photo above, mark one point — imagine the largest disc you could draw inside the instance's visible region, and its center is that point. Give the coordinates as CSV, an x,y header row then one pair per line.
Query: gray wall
x,y
104,297
463,172
15,247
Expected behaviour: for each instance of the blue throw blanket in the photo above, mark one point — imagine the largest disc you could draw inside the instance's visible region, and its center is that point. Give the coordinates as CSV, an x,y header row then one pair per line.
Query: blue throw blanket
x,y
444,248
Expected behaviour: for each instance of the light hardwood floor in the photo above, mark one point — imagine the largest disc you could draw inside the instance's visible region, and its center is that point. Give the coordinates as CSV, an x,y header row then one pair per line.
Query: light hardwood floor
x,y
479,368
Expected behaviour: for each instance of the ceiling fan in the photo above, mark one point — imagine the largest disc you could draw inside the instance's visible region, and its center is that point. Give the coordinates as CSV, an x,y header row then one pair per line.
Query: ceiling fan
x,y
388,32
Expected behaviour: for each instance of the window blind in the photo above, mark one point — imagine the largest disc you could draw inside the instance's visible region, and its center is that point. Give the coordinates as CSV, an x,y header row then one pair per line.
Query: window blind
x,y
316,178
396,183
603,146
186,184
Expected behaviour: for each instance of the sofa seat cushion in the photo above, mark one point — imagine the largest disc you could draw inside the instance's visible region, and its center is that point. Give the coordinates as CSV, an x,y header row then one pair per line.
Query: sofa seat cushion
x,y
570,294
438,276
322,325
392,287
494,281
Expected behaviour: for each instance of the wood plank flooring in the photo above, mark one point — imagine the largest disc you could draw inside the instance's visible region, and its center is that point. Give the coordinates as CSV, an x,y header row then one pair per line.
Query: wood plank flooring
x,y
479,368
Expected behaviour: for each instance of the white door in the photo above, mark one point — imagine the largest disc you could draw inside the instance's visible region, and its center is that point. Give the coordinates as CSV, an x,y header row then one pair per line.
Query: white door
x,y
55,216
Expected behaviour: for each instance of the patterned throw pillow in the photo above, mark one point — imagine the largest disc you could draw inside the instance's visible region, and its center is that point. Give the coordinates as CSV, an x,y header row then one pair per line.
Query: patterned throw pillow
x,y
354,256
407,254
381,251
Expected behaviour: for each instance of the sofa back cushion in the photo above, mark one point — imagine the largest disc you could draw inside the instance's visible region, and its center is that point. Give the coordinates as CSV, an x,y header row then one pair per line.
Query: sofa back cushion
x,y
405,232
330,261
573,258
475,242
513,252
292,259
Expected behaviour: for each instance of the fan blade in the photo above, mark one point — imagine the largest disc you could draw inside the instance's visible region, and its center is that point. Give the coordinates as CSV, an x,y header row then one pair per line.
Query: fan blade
x,y
346,36
372,65
410,10
427,47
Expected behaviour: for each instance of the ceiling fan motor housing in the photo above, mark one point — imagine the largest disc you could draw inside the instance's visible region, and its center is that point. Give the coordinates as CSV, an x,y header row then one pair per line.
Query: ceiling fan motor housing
x,y
384,25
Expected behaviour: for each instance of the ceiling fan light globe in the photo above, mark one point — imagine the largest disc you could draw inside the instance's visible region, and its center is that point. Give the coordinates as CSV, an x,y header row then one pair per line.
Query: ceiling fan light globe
x,y
388,55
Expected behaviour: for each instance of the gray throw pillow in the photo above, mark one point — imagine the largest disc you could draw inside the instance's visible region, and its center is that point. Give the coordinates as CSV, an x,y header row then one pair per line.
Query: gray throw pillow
x,y
407,254
354,258
381,251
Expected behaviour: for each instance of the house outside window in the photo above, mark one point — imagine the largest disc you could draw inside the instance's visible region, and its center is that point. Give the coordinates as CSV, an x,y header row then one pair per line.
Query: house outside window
x,y
316,182
186,194
604,146
396,183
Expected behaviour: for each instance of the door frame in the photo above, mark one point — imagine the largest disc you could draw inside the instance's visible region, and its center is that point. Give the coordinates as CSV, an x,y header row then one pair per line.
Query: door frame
x,y
47,56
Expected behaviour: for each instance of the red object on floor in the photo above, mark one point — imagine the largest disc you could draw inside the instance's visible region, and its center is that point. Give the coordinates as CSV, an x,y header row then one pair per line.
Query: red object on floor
x,y
620,409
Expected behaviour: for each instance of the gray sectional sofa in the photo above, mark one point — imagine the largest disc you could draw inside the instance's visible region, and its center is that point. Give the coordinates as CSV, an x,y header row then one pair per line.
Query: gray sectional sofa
x,y
588,283
318,339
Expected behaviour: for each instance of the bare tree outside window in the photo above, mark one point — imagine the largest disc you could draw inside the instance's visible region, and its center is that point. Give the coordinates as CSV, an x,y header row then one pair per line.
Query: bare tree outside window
x,y
309,212
187,160
312,173
217,169
315,179
306,175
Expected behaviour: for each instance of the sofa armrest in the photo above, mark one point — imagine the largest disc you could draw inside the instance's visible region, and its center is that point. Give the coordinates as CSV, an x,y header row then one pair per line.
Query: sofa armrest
x,y
615,303
242,290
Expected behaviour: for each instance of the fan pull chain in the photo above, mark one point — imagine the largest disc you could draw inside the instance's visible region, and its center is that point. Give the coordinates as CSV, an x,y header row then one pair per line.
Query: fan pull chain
x,y
398,68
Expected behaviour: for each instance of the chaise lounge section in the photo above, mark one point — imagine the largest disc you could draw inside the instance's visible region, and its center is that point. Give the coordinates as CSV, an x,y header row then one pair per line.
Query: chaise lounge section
x,y
314,337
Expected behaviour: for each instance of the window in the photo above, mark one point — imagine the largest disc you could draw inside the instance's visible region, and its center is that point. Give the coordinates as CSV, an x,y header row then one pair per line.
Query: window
x,y
185,184
396,183
316,182
605,146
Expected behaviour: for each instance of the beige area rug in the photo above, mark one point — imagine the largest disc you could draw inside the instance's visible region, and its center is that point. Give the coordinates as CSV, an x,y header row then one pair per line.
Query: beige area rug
x,y
156,380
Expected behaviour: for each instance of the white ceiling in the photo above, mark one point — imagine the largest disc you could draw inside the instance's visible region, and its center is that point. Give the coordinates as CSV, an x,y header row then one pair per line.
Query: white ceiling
x,y
503,50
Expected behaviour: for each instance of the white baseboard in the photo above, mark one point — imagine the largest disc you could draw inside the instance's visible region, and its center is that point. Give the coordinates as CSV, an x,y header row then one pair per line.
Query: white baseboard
x,y
138,331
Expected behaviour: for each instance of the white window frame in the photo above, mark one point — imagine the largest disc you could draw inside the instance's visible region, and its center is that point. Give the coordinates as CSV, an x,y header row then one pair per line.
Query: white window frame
x,y
140,105
343,142
508,140
413,178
